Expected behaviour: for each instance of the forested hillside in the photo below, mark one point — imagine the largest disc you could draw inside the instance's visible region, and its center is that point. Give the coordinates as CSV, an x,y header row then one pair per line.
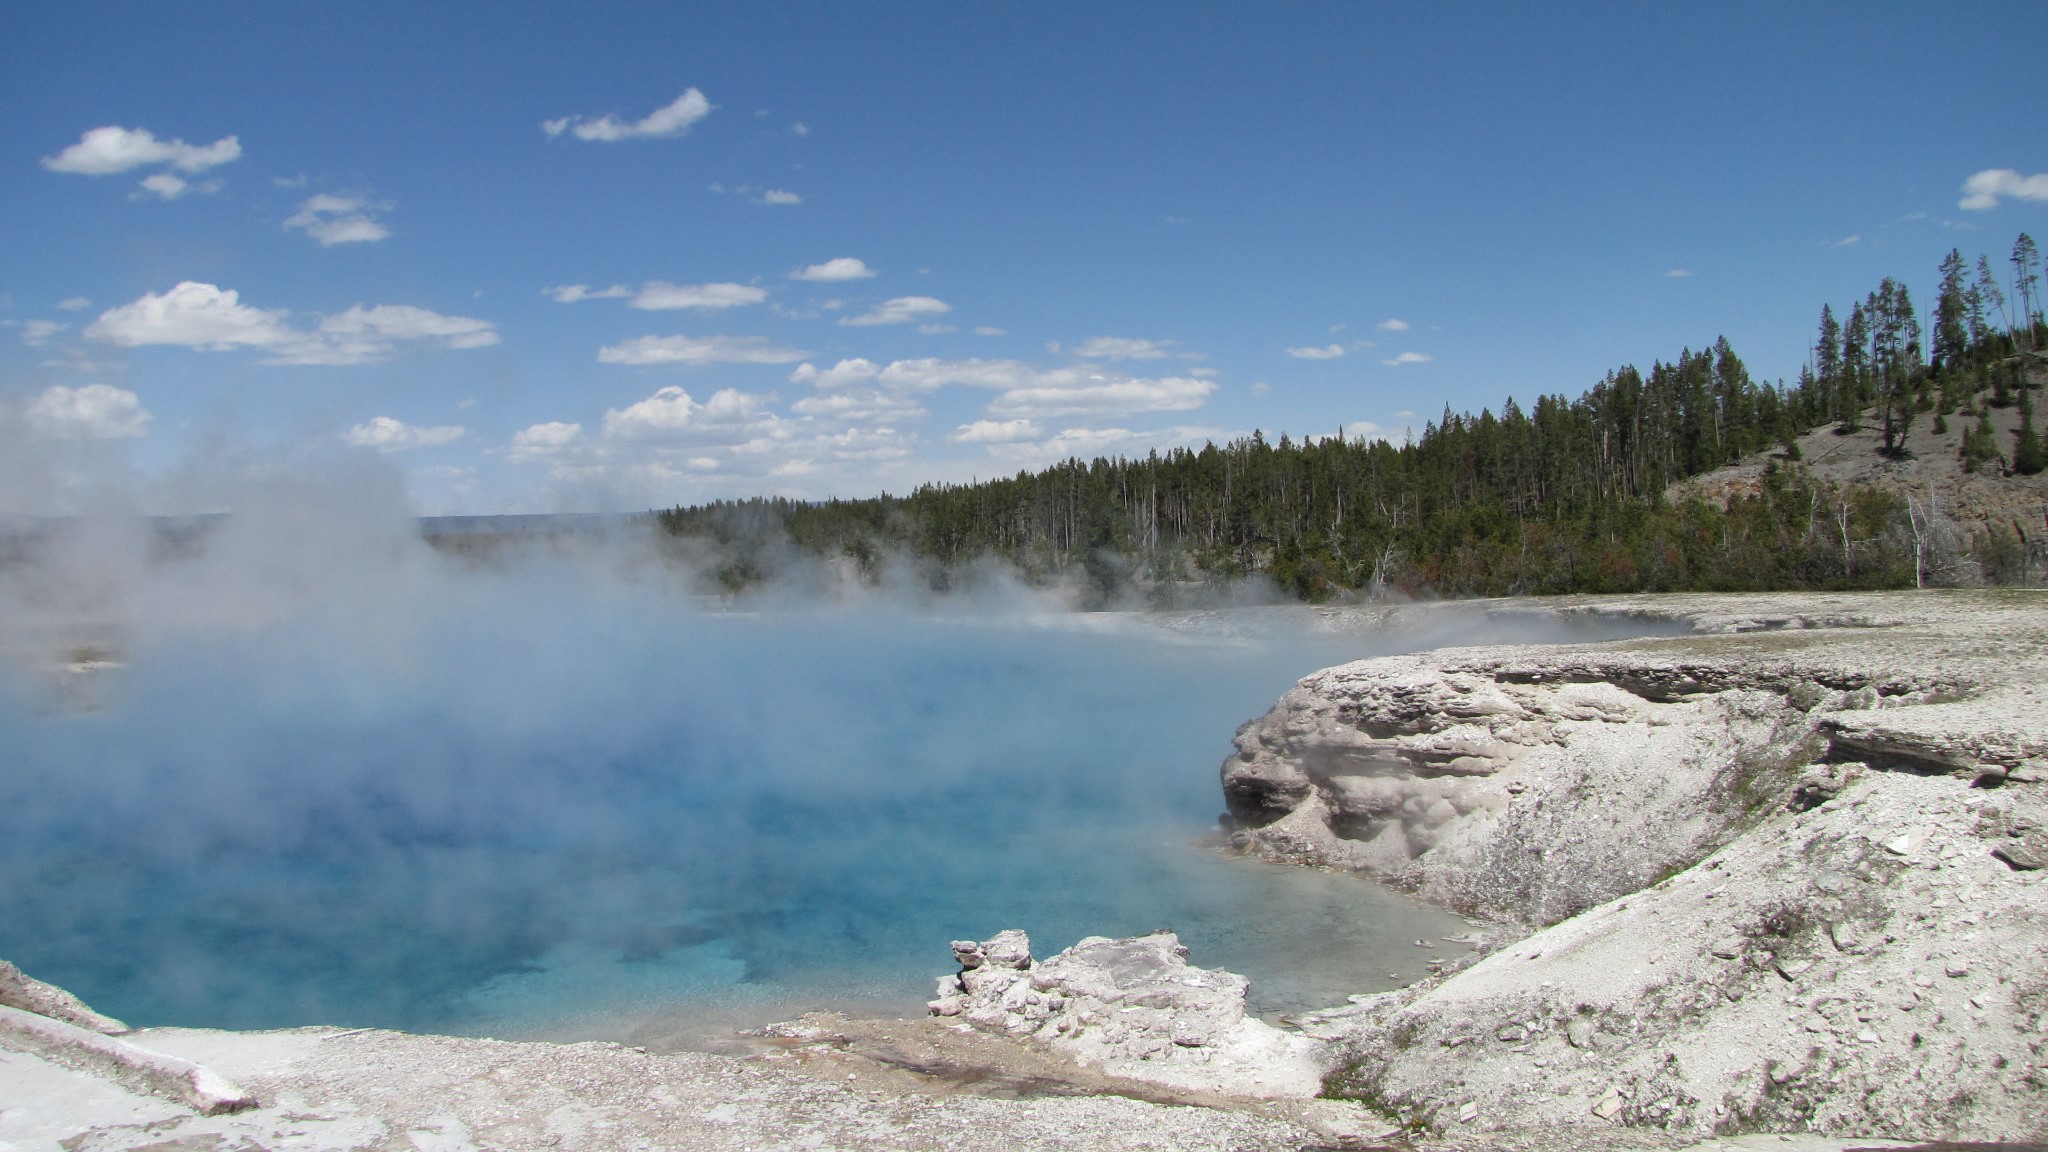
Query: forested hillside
x,y
1563,495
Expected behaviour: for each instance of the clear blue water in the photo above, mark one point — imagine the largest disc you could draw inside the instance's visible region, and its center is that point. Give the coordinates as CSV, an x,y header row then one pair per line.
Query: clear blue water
x,y
536,809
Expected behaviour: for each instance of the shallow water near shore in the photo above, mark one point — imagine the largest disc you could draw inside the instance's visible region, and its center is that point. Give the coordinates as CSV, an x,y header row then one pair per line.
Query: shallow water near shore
x,y
620,812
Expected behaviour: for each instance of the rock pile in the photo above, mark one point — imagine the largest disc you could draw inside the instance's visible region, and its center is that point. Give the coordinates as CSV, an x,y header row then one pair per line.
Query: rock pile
x,y
1134,1008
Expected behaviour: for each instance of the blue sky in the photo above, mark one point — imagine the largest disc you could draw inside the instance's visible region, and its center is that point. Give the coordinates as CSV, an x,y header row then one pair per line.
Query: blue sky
x,y
831,250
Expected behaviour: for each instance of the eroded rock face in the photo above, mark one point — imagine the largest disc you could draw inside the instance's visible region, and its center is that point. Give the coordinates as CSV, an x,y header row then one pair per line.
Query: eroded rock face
x,y
1507,788
1134,1007
1778,882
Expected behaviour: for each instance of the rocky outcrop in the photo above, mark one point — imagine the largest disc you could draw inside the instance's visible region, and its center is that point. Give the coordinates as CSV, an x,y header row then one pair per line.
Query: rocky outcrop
x,y
1134,1008
19,990
1778,881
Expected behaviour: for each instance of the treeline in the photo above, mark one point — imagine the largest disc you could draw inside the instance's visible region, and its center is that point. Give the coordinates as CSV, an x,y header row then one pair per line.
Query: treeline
x,y
1566,495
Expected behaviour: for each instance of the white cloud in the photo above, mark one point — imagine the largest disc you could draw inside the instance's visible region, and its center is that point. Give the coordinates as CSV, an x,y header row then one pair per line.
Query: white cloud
x,y
935,329
405,322
553,434
1327,352
989,330
1260,388
35,332
674,119
106,151
339,220
1394,325
671,411
166,185
1075,393
901,310
1981,192
1023,389
74,304
386,434
696,350
778,196
839,268
1846,242
1409,358
194,315
571,293
1678,273
997,432
660,295
858,405
1124,348
91,412
198,315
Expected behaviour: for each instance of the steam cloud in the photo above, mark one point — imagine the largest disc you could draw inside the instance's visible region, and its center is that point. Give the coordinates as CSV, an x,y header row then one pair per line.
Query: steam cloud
x,y
342,777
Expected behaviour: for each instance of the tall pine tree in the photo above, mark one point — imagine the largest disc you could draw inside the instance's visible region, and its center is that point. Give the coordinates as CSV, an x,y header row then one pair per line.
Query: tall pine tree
x,y
1951,315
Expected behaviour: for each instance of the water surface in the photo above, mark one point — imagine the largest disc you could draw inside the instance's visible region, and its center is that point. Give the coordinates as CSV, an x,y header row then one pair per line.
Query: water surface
x,y
557,813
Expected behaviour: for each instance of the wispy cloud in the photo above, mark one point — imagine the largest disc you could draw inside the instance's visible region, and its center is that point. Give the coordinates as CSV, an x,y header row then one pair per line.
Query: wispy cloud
x,y
673,119
1024,391
35,333
688,350
389,434
1678,273
1394,325
1123,348
779,196
660,295
836,269
989,330
74,304
1409,358
1326,352
901,310
1982,191
571,293
339,220
997,432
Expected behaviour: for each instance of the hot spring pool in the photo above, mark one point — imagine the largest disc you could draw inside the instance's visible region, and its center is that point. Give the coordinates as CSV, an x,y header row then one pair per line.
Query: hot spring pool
x,y
547,816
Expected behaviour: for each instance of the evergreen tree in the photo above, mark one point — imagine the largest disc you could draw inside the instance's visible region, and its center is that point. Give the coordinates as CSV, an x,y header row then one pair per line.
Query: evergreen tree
x,y
1855,370
1987,290
1980,444
1951,315
1894,358
2028,456
2026,268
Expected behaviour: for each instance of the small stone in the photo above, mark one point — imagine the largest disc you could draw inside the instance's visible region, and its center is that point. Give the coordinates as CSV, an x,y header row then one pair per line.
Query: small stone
x,y
1794,969
1906,843
1468,1113
1512,1034
1729,948
1782,1073
1867,1036
1956,968
1608,1105
2024,854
